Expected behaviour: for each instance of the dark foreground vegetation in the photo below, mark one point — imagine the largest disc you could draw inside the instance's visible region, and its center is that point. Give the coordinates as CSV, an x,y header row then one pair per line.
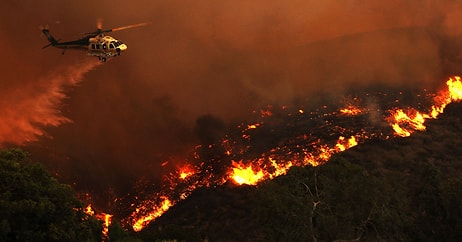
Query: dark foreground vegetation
x,y
403,189
36,207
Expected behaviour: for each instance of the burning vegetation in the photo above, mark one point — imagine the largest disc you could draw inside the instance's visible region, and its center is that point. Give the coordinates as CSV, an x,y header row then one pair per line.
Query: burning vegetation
x,y
296,137
275,139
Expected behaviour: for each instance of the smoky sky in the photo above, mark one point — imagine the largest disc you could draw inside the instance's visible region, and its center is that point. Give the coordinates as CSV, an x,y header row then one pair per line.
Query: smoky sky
x,y
106,125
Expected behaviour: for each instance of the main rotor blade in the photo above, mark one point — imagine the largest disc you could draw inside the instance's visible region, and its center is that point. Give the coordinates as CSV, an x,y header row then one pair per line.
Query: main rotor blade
x,y
99,31
99,24
129,26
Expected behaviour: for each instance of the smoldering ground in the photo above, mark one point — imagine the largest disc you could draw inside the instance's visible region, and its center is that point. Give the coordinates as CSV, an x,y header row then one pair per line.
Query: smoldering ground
x,y
216,58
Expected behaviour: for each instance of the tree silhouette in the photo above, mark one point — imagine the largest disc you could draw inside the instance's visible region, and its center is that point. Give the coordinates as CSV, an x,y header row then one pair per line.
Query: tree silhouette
x,y
34,206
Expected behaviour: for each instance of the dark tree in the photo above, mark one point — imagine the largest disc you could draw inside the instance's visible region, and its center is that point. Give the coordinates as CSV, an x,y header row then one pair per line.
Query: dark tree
x,y
34,206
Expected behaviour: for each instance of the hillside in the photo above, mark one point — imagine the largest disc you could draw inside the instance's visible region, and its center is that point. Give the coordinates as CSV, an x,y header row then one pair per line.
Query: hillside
x,y
398,189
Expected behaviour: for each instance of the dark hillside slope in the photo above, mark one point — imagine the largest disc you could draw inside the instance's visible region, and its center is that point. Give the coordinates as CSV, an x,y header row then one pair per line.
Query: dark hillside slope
x,y
440,144
401,189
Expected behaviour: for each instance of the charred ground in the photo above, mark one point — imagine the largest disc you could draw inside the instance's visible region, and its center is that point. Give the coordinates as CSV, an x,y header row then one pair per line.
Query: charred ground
x,y
395,189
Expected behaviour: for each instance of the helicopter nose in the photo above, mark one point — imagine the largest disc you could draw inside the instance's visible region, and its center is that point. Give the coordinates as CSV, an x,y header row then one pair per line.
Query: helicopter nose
x,y
122,47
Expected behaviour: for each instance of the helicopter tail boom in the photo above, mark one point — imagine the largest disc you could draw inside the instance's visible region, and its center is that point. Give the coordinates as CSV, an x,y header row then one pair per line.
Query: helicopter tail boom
x,y
50,38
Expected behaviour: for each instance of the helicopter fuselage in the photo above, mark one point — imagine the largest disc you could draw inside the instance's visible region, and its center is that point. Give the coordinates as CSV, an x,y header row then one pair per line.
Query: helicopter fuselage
x,y
99,45
105,47
95,43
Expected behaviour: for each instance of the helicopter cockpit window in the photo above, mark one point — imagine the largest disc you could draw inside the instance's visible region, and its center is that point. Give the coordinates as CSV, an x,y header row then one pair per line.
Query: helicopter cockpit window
x,y
117,43
104,46
111,46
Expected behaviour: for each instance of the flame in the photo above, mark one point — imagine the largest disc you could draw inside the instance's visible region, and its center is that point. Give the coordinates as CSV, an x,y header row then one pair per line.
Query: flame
x,y
89,210
279,169
242,174
311,147
156,212
247,174
185,172
106,218
343,144
455,88
350,110
404,123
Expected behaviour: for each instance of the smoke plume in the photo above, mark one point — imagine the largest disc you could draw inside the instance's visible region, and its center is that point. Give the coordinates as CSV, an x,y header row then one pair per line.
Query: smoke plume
x,y
200,67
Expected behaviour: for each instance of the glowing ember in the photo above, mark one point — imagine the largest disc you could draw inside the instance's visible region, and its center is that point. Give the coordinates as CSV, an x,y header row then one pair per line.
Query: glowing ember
x,y
252,126
325,154
266,113
89,210
186,172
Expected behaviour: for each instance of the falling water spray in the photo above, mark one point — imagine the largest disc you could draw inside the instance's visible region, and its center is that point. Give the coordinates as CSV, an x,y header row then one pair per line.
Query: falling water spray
x,y
27,110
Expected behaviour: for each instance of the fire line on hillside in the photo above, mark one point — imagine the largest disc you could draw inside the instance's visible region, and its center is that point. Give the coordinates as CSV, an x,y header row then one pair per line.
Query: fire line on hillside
x,y
311,138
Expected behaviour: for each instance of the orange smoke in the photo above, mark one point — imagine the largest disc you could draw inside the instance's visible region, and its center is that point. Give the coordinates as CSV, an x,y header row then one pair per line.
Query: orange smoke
x,y
26,111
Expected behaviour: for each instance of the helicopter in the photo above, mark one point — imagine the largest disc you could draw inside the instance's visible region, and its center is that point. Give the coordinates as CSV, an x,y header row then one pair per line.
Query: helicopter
x,y
94,43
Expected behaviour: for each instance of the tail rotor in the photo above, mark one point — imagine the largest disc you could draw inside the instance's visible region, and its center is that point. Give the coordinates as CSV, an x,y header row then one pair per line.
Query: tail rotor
x,y
50,38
